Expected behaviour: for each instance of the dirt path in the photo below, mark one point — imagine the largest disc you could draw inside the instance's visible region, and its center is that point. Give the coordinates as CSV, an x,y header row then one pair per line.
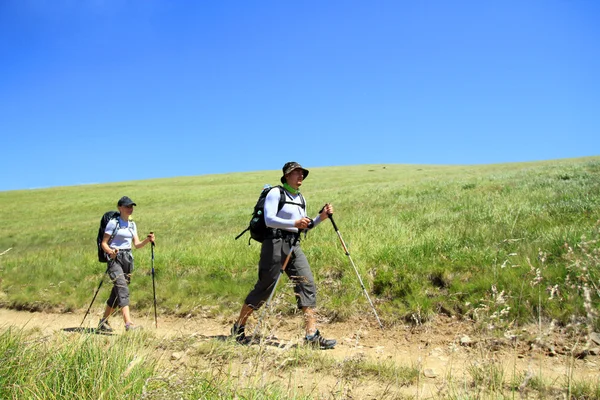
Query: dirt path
x,y
436,349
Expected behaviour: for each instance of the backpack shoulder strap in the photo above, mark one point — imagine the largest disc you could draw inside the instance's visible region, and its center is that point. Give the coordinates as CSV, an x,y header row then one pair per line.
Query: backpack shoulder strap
x,y
284,197
114,233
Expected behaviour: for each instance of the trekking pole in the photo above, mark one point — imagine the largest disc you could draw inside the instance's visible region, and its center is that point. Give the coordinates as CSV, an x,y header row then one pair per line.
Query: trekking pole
x,y
154,288
355,269
95,294
283,266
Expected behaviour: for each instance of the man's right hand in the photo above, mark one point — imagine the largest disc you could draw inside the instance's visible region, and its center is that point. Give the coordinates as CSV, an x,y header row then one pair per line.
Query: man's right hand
x,y
302,223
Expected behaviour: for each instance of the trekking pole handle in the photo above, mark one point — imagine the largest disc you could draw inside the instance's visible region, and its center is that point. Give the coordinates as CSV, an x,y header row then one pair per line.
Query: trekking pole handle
x,y
152,252
333,222
330,217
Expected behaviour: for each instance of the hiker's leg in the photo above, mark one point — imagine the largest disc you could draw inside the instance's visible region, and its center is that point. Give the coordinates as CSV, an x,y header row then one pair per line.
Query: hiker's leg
x,y
268,271
310,320
245,312
269,268
107,312
119,296
304,288
126,315
127,263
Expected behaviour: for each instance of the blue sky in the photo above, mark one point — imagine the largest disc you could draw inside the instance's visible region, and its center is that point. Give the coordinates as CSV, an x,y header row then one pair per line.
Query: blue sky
x,y
95,91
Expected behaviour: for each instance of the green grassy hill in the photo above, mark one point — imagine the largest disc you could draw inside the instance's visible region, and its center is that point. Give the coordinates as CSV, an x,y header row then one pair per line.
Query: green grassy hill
x,y
511,242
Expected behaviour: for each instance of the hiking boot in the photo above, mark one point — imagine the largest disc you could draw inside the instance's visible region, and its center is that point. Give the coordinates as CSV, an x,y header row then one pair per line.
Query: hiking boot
x,y
132,327
237,332
319,341
104,327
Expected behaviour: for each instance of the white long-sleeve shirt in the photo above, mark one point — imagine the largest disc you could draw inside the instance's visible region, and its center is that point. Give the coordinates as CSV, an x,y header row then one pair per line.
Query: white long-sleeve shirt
x,y
289,213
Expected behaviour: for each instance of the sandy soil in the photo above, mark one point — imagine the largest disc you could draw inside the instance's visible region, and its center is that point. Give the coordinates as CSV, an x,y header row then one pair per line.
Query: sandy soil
x,y
440,350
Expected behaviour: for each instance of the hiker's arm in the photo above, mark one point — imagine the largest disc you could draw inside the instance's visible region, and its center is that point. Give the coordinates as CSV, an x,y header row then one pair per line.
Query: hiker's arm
x,y
112,253
108,231
325,212
139,244
271,218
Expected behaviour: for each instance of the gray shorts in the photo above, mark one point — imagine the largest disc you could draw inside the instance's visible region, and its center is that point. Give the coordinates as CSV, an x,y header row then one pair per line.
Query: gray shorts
x,y
119,271
272,256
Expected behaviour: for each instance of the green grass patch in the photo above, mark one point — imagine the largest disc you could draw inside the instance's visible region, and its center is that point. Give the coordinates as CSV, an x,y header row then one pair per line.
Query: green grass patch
x,y
424,239
72,367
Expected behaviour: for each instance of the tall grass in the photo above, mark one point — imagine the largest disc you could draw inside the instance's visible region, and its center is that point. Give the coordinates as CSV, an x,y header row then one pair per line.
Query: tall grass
x,y
125,367
426,239
72,367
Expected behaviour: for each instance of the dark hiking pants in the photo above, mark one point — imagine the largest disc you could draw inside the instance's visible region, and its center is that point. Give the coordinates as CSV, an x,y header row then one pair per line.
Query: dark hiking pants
x,y
272,256
120,270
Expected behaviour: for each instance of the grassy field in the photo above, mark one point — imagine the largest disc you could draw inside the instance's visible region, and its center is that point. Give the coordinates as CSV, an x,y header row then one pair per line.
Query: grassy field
x,y
503,246
515,241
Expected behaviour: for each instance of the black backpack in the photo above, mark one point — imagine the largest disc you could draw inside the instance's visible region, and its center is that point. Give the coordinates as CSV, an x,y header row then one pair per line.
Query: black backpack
x,y
257,227
103,222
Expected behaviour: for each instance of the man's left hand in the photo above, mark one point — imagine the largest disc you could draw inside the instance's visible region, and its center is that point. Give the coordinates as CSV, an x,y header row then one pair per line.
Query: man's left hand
x,y
326,212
